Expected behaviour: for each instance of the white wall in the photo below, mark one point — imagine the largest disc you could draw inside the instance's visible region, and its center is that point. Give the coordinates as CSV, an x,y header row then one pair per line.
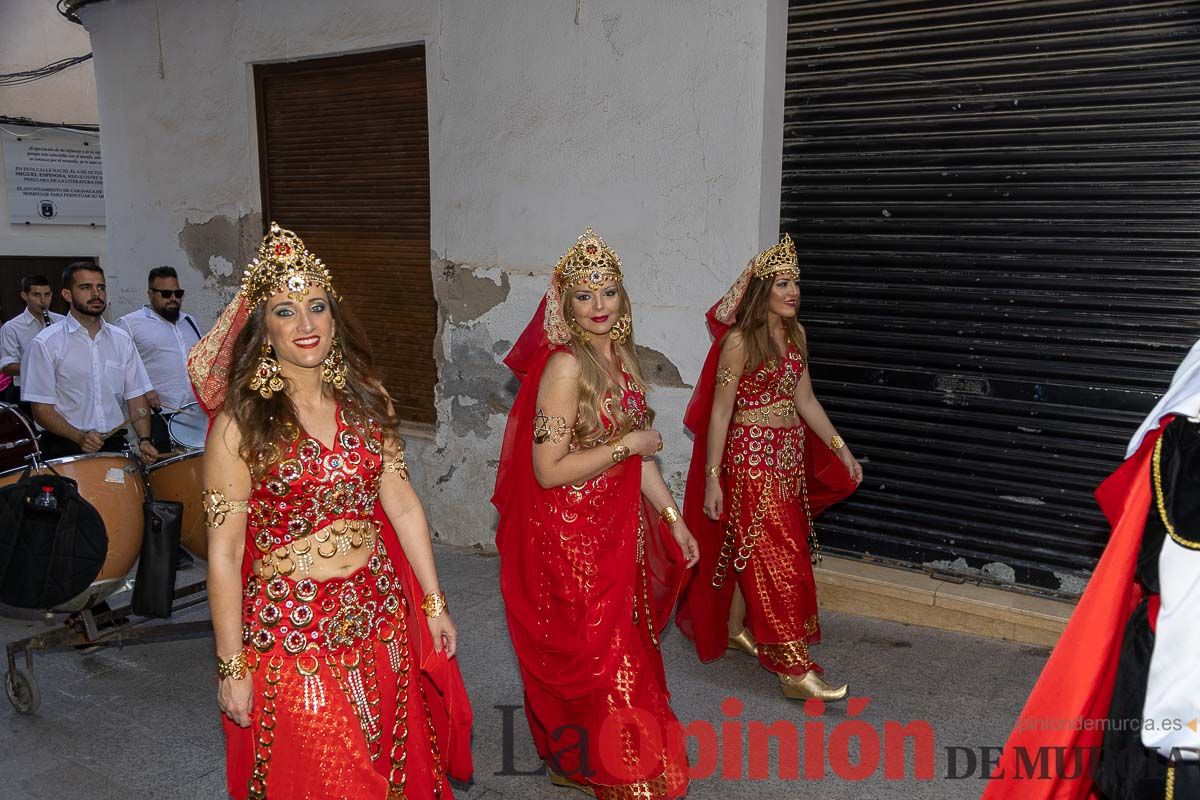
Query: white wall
x,y
656,123
32,35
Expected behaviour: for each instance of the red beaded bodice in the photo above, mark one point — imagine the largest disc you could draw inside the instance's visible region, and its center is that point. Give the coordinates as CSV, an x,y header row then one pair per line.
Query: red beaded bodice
x,y
773,382
314,485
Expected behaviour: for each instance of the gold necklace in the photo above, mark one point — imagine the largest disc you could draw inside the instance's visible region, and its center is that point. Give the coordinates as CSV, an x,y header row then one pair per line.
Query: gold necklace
x,y
1161,501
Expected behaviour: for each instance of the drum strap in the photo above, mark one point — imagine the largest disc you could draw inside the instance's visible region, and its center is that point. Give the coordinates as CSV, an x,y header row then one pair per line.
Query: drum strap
x,y
193,324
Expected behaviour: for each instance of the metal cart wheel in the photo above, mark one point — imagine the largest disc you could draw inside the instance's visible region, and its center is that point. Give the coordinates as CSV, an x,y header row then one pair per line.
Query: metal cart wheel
x,y
22,691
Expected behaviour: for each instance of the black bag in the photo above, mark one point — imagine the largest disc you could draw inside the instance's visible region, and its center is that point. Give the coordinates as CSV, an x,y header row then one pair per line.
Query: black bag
x,y
154,585
48,555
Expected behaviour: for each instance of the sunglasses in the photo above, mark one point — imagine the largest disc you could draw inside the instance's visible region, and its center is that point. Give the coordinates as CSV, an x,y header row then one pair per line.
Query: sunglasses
x,y
167,294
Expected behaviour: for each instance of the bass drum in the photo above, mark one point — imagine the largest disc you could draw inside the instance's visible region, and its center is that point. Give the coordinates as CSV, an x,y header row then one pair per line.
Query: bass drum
x,y
112,483
178,479
17,438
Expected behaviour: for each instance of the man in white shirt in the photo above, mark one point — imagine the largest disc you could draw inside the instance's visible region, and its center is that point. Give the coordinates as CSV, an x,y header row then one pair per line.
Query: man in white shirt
x,y
164,334
18,332
76,374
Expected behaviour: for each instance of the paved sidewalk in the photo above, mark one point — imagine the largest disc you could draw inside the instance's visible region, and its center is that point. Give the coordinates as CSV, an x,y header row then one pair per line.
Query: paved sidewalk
x,y
141,722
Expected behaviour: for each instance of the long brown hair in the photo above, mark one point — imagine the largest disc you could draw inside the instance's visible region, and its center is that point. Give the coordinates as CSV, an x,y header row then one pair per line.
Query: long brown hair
x,y
752,317
268,426
595,381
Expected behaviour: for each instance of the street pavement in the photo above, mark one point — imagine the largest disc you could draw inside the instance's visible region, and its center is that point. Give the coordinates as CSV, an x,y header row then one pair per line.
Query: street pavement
x,y
141,721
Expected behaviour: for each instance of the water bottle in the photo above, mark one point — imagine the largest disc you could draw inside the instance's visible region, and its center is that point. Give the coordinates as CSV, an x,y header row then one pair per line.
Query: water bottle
x,y
45,501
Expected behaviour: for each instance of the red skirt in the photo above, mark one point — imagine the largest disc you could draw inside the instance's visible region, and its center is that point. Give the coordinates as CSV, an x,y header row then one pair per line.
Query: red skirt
x,y
765,550
339,710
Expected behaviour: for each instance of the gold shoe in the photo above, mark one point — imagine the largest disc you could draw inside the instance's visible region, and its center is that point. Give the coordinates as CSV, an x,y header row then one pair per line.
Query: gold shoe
x,y
744,642
566,783
809,686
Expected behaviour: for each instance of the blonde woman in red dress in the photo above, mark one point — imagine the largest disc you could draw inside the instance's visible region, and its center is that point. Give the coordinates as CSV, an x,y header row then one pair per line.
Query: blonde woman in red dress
x,y
335,650
592,548
765,462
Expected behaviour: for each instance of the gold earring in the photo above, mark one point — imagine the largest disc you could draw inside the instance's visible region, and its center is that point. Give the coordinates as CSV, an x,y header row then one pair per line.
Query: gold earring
x,y
580,334
266,380
333,368
622,330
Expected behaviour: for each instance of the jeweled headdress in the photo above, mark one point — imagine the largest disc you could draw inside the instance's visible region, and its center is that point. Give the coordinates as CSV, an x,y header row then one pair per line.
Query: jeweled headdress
x,y
589,261
778,259
282,263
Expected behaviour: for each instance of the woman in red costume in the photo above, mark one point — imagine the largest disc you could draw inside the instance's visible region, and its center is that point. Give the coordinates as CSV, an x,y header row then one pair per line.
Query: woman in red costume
x,y
334,647
762,469
592,548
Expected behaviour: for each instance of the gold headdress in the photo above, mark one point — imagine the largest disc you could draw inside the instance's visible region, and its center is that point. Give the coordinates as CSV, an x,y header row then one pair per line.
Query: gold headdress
x,y
778,259
589,261
283,263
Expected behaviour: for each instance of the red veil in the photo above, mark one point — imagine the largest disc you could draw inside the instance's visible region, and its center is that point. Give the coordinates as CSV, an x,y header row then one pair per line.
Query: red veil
x,y
704,611
555,639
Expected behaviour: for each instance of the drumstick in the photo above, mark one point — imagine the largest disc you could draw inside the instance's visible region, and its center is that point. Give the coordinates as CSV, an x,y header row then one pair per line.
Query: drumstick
x,y
123,423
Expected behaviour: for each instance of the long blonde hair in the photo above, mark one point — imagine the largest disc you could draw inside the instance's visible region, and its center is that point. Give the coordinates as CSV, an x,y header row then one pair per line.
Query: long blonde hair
x,y
752,318
595,383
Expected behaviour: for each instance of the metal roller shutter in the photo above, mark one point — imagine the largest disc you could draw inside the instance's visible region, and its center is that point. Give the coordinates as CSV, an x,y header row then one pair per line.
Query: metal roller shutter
x,y
344,152
996,206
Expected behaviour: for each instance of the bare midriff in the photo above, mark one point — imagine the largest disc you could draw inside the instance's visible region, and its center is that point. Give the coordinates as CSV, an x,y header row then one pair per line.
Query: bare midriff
x,y
335,551
780,414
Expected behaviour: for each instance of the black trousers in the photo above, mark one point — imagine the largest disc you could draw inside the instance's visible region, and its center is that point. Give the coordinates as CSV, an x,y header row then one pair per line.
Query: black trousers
x,y
54,446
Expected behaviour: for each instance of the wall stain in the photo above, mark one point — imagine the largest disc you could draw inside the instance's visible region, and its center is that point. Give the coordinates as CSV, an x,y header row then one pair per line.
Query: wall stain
x,y
462,295
659,370
220,237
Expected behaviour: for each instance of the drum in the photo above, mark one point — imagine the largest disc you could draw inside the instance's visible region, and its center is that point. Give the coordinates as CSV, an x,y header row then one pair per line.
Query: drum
x,y
178,479
111,482
17,438
188,427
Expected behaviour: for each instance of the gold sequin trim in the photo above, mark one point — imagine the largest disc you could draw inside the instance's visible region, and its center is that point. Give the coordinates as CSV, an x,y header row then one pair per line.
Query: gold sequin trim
x,y
786,654
653,789
762,415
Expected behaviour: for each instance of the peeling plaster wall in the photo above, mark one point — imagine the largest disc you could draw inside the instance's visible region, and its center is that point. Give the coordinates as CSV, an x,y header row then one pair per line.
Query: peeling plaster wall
x,y
659,124
32,35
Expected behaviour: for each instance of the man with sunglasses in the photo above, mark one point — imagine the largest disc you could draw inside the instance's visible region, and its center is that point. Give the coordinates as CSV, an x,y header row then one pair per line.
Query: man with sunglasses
x,y
164,334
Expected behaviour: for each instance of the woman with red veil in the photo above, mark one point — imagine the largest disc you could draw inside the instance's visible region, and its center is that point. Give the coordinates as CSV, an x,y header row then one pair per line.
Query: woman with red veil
x,y
592,547
335,652
765,462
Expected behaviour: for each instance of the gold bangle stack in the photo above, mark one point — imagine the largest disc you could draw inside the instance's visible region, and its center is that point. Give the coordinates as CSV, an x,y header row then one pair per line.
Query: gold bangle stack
x,y
235,667
619,451
669,514
713,470
837,442
434,604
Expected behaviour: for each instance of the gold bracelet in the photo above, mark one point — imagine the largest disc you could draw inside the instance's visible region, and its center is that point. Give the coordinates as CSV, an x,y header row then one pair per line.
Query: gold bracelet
x,y
235,667
434,604
619,451
216,507
713,470
837,442
669,514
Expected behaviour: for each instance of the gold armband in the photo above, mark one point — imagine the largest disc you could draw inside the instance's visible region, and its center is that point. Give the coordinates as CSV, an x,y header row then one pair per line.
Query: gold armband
x,y
434,604
549,429
216,507
669,514
235,667
837,442
396,465
713,470
725,376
